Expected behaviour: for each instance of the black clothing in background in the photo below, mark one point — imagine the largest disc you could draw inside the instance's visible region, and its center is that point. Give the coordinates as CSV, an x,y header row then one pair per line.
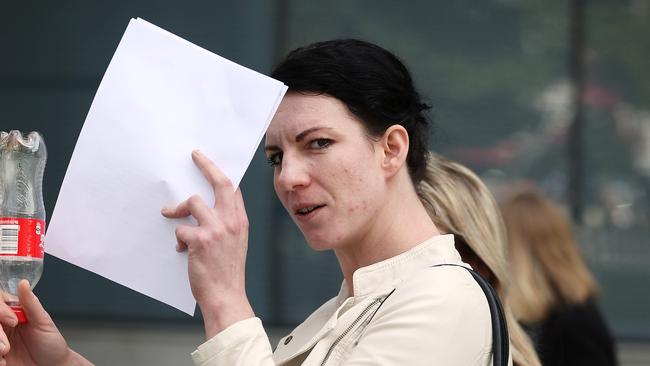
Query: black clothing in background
x,y
575,335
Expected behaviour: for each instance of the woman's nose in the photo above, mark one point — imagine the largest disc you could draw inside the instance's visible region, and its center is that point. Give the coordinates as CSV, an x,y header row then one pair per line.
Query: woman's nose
x,y
293,174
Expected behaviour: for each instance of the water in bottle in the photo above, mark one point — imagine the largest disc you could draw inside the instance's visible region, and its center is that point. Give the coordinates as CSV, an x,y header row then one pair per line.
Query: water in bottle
x,y
22,213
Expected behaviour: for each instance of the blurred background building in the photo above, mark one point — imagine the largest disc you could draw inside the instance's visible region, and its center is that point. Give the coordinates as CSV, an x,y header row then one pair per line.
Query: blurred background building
x,y
554,93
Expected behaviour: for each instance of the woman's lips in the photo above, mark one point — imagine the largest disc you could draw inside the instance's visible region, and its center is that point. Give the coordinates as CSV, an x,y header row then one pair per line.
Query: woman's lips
x,y
307,212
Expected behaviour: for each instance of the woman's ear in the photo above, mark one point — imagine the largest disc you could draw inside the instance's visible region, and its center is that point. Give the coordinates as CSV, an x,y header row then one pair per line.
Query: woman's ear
x,y
395,145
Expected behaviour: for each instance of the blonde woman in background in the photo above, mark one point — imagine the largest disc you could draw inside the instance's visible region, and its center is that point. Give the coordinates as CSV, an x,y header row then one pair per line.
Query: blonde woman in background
x,y
553,292
459,203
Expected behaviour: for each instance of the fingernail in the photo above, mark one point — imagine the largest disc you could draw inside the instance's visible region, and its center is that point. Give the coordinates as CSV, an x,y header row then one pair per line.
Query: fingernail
x,y
178,248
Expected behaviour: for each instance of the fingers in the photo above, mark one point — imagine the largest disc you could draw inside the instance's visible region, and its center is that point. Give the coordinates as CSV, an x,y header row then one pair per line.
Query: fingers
x,y
8,320
195,206
221,184
181,246
184,234
34,311
7,316
192,206
227,217
239,205
5,345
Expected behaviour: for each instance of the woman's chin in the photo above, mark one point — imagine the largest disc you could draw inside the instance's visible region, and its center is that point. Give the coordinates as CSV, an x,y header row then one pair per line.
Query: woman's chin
x,y
319,243
319,246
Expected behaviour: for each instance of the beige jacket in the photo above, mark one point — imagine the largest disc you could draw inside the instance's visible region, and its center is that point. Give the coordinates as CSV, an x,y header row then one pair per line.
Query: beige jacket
x,y
403,312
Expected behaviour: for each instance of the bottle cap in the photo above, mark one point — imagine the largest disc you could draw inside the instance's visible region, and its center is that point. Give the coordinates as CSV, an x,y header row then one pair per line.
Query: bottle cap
x,y
20,314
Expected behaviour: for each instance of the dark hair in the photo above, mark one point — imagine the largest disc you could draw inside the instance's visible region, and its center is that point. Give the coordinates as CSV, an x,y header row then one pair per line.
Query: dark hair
x,y
372,82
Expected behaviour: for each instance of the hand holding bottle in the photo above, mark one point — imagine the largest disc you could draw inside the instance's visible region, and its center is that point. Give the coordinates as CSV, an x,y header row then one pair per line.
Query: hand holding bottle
x,y
37,342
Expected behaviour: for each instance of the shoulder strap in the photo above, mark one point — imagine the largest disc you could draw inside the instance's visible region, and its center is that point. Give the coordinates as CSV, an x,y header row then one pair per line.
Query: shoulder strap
x,y
500,338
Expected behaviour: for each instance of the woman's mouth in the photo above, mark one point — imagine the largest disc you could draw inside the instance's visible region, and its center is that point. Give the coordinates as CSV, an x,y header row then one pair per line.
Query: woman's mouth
x,y
304,211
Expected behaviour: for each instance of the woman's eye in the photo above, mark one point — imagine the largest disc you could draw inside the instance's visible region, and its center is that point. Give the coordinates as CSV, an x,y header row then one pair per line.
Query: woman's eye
x,y
275,159
320,143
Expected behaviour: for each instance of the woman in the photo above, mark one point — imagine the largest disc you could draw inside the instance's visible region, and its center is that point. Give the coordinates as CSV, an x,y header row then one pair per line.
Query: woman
x,y
553,292
348,146
459,203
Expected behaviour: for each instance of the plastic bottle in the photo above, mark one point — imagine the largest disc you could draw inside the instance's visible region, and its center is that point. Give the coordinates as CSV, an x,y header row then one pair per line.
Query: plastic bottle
x,y
22,213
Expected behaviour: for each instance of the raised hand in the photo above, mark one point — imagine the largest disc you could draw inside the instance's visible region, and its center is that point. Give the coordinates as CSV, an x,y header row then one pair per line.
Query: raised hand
x,y
217,249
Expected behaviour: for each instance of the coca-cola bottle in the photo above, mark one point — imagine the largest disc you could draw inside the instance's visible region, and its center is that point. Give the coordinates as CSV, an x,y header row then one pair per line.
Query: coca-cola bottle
x,y
22,213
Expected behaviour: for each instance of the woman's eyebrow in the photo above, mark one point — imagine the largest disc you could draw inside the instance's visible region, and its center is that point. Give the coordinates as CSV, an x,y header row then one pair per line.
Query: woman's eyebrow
x,y
301,136
271,148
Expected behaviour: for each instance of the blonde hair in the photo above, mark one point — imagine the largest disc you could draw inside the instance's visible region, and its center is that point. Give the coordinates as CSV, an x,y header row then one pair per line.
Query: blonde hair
x,y
547,268
459,203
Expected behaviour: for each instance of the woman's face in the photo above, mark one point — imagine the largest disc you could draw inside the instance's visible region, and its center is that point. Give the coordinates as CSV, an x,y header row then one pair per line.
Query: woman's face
x,y
327,171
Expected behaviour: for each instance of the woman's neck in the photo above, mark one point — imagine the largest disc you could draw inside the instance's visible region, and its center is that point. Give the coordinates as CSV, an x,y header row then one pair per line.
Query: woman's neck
x,y
400,225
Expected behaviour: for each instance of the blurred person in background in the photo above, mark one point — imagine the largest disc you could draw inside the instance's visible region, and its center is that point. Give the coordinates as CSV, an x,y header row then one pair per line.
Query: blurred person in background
x,y
459,203
553,293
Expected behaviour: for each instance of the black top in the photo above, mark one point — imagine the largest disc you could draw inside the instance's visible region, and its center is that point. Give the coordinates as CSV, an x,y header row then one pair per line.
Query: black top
x,y
574,335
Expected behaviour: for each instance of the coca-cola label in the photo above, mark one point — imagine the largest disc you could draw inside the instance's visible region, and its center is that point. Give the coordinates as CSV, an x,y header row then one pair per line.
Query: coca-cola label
x,y
22,237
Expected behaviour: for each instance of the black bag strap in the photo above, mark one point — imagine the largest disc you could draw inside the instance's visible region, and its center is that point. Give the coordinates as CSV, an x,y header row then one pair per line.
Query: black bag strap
x,y
500,338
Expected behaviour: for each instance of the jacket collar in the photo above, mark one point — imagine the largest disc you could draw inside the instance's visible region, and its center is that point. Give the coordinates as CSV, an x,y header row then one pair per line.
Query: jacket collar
x,y
376,279
384,275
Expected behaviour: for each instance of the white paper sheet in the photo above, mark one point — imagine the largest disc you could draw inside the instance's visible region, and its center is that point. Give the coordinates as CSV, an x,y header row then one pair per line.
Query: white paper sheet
x,y
161,98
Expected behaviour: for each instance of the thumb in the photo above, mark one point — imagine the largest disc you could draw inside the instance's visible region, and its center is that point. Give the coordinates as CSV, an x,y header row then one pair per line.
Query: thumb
x,y
34,311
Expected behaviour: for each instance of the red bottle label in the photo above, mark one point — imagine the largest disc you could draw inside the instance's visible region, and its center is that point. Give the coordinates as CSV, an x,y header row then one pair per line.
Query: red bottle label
x,y
22,237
